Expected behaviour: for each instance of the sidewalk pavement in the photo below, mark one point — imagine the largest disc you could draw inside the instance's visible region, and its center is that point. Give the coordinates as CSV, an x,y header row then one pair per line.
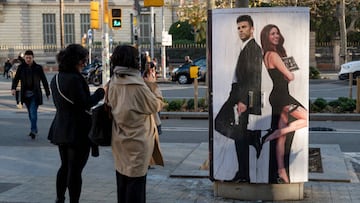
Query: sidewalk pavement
x,y
27,175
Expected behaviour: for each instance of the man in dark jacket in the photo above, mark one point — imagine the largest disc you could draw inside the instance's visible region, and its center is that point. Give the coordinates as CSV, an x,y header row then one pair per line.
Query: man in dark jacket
x,y
244,99
7,67
30,75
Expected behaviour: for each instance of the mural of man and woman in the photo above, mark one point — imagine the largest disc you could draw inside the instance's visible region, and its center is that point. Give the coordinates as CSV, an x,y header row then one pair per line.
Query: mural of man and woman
x,y
287,114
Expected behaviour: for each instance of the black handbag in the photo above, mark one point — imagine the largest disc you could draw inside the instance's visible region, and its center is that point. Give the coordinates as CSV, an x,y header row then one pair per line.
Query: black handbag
x,y
101,120
101,125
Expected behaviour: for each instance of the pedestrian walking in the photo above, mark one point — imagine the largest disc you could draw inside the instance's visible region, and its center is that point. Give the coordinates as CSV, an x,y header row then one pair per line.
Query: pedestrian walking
x,y
7,67
31,74
12,73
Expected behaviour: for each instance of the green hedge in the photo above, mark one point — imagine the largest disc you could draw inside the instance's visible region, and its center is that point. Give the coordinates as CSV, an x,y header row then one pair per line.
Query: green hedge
x,y
185,105
341,105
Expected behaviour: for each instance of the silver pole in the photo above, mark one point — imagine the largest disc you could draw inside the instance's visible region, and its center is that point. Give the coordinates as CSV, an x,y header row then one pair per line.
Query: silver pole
x,y
105,48
152,34
62,43
163,47
90,37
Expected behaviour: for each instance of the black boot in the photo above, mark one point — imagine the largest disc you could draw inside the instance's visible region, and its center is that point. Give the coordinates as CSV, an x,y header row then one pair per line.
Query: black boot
x,y
60,200
239,178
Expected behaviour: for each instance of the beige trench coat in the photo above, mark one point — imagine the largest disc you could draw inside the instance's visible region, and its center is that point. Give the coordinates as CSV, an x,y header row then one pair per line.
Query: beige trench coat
x,y
134,133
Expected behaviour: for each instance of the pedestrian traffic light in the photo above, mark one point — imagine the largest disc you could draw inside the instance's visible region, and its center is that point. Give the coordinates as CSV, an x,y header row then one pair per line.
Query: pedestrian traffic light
x,y
94,15
116,22
153,3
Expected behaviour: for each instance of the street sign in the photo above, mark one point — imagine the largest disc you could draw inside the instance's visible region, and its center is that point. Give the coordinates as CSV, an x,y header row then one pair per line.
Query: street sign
x,y
89,34
166,39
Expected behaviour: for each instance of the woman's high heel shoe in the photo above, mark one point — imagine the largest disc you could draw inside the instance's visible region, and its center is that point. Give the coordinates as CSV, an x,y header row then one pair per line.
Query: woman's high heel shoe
x,y
259,142
269,132
254,139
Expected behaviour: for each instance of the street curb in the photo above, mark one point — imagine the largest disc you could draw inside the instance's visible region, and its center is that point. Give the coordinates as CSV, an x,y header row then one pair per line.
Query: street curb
x,y
184,115
334,117
312,116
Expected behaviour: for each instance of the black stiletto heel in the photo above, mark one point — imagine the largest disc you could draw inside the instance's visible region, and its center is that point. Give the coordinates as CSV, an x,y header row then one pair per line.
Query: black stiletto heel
x,y
258,145
269,132
255,141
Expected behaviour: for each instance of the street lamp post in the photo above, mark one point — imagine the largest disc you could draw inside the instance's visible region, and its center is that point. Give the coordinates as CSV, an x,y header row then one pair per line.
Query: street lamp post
x,y
62,44
105,43
163,47
152,34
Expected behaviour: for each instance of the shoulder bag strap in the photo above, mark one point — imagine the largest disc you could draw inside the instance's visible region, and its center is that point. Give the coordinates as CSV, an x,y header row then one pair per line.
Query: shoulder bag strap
x,y
57,85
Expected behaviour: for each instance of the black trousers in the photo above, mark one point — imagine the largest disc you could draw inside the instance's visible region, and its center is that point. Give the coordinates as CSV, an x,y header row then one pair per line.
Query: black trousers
x,y
242,147
73,161
17,96
131,189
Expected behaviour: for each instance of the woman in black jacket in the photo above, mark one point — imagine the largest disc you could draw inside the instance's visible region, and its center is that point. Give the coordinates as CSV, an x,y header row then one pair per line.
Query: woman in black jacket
x,y
70,127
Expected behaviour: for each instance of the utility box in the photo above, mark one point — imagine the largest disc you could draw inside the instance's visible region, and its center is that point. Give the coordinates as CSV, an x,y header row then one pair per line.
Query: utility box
x,y
194,71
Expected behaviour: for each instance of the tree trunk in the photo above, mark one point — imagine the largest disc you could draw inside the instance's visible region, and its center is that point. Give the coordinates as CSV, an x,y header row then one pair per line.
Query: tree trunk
x,y
343,37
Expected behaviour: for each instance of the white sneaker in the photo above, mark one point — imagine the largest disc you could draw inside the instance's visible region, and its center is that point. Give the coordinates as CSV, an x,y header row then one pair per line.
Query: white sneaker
x,y
19,106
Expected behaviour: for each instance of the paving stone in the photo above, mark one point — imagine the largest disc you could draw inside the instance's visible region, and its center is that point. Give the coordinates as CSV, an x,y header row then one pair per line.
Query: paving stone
x,y
99,184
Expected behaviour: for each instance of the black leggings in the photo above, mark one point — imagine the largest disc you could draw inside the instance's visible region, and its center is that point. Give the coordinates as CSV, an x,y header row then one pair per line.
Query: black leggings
x,y
73,160
131,189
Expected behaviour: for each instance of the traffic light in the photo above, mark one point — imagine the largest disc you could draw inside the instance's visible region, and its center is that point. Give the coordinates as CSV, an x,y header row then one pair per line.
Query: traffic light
x,y
116,22
94,15
153,3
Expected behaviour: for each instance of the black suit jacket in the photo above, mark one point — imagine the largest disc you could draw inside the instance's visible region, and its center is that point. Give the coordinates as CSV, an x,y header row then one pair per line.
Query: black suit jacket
x,y
248,79
248,74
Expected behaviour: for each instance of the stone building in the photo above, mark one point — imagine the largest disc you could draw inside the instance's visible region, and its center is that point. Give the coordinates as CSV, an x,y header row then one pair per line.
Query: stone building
x,y
35,24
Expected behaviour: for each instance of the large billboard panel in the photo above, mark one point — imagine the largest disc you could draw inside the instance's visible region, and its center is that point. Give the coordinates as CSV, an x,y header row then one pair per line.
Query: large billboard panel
x,y
259,69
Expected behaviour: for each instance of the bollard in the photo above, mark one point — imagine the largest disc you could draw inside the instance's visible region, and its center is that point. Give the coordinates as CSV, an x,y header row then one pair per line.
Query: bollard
x,y
194,73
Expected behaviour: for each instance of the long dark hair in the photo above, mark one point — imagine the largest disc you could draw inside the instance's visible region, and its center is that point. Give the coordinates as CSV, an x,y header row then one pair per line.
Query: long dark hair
x,y
267,46
70,57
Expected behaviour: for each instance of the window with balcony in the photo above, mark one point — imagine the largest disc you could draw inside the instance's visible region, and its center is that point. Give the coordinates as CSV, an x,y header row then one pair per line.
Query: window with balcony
x,y
49,30
145,29
84,23
69,28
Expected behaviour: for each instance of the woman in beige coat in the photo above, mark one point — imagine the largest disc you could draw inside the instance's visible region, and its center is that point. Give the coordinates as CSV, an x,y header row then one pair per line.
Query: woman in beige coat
x,y
134,131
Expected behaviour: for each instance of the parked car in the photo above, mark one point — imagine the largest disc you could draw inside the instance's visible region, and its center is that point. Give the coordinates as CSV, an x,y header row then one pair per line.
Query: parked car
x,y
350,67
182,73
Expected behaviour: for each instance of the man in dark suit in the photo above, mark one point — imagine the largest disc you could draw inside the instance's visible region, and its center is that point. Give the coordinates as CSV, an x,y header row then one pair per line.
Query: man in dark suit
x,y
244,99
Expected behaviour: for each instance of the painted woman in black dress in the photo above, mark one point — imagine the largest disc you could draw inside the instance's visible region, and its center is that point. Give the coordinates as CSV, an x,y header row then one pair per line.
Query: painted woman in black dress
x,y
288,115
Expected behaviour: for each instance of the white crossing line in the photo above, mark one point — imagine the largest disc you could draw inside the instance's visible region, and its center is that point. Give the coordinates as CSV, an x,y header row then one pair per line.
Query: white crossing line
x,y
187,129
353,157
338,131
5,92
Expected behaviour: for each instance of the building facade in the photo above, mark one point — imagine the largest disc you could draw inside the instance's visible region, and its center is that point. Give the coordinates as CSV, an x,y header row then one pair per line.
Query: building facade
x,y
36,23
